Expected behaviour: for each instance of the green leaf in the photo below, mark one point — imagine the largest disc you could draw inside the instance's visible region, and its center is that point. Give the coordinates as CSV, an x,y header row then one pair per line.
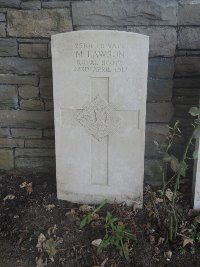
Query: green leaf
x,y
100,206
195,154
51,247
86,220
194,111
197,132
182,168
174,164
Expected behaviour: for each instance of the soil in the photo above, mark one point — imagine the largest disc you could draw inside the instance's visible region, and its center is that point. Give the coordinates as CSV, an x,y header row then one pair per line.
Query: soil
x,y
27,210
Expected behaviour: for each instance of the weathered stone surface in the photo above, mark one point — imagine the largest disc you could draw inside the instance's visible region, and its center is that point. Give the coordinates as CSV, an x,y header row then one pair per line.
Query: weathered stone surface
x,y
48,143
2,17
186,82
46,87
8,47
35,165
159,112
189,38
161,68
33,40
34,4
38,23
48,133
4,132
154,132
49,105
19,79
188,12
159,90
26,133
49,49
56,4
32,104
11,142
152,172
182,111
6,159
33,50
8,96
187,91
162,40
22,118
28,91
187,53
187,67
10,3
34,152
191,100
25,66
2,29
124,12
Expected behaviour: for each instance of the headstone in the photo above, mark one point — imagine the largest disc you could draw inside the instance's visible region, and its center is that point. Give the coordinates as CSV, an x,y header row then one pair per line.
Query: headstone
x,y
196,179
100,86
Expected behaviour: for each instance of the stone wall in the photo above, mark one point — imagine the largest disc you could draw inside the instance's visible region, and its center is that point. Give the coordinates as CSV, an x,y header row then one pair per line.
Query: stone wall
x,y
26,101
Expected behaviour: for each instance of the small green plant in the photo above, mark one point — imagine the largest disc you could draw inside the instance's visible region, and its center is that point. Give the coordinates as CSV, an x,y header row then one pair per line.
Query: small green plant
x,y
178,168
87,219
117,235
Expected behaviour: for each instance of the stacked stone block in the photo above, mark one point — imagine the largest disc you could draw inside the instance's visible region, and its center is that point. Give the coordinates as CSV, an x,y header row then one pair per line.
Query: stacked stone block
x,y
26,99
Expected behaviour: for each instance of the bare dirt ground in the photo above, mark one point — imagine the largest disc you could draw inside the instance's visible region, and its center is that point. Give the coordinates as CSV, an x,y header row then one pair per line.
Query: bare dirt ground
x,y
29,208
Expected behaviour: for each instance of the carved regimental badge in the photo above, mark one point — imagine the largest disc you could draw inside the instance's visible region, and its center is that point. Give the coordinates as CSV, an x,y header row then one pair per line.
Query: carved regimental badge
x,y
99,118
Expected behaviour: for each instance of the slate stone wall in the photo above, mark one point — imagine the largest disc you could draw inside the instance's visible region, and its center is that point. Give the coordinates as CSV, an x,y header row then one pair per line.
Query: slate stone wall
x,y
26,101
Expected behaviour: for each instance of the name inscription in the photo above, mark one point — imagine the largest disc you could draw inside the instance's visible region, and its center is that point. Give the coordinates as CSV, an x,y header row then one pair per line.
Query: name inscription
x,y
102,57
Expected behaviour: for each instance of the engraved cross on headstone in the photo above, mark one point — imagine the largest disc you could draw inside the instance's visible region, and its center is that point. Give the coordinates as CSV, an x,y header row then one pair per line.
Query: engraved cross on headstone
x,y
100,119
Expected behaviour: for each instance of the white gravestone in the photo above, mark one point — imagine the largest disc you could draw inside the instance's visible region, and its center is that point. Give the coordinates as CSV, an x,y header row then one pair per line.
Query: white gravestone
x,y
100,87
196,180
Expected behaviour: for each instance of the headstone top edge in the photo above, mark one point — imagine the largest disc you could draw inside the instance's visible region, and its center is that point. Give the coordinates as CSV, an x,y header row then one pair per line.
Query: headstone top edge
x,y
82,32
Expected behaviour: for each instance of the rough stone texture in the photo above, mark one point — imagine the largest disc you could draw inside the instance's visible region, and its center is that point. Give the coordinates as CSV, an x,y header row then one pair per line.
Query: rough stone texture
x,y
10,3
19,79
159,90
32,104
161,68
35,165
11,142
25,66
8,47
40,143
189,38
28,91
152,172
187,91
34,152
188,13
56,4
186,82
27,133
2,17
48,105
22,118
4,132
187,67
46,87
154,132
2,29
162,40
120,176
49,133
159,112
33,50
31,4
124,12
38,23
6,159
8,96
